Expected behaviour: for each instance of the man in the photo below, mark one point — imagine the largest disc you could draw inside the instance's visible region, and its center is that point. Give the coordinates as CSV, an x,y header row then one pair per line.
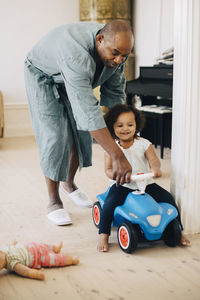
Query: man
x,y
61,72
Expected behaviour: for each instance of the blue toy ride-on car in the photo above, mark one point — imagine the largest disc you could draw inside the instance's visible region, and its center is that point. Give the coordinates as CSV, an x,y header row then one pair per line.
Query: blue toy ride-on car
x,y
141,217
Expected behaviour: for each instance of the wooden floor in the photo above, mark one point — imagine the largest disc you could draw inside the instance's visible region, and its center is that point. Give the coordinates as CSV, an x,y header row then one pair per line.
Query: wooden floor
x,y
153,271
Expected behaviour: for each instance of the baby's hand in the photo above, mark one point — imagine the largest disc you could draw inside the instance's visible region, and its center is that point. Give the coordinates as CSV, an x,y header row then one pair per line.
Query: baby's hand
x,y
14,243
157,173
36,274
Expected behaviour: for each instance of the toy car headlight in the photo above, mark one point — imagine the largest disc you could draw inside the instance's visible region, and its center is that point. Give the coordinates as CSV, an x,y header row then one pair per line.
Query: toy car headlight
x,y
154,220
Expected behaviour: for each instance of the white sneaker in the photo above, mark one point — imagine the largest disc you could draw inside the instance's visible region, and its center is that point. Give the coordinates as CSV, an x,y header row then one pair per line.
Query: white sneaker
x,y
79,197
59,217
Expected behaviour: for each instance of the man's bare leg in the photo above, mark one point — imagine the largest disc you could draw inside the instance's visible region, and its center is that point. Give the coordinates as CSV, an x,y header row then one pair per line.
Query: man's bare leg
x,y
77,195
54,198
69,184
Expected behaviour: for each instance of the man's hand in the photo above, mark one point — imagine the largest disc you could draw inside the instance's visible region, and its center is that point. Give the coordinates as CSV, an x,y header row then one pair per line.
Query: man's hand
x,y
120,166
122,170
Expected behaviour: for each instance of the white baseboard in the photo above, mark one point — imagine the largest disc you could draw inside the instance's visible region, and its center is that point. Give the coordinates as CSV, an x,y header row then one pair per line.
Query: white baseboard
x,y
17,120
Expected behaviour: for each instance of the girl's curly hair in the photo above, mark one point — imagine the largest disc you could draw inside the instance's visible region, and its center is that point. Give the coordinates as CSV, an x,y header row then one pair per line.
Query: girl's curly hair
x,y
112,115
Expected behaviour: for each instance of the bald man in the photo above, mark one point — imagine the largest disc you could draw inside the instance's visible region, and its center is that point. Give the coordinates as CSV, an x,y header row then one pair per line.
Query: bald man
x,y
61,71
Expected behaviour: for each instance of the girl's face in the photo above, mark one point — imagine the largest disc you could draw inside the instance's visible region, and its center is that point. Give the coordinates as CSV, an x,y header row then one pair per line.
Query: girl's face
x,y
125,126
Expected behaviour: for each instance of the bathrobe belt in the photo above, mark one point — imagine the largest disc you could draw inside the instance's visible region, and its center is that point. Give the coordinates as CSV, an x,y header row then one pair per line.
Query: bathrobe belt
x,y
44,78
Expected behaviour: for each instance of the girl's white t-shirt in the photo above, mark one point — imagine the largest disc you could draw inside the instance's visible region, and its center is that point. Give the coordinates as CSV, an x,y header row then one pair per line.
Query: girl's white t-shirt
x,y
137,159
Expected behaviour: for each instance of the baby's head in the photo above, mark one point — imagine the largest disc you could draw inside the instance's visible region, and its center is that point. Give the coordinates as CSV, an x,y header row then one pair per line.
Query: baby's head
x,y
2,259
116,112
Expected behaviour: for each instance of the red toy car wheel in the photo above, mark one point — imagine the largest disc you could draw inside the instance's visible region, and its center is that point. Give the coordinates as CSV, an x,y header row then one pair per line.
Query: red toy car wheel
x,y
124,237
127,237
96,213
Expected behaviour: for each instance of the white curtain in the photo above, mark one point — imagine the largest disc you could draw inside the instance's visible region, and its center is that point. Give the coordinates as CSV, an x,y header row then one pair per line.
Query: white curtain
x,y
185,182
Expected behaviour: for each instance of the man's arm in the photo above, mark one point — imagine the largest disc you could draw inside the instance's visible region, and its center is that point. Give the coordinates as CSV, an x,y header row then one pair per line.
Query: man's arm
x,y
121,168
108,165
88,114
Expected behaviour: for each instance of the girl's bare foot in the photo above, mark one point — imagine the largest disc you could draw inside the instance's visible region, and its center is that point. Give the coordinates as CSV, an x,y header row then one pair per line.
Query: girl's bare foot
x,y
58,248
184,241
102,245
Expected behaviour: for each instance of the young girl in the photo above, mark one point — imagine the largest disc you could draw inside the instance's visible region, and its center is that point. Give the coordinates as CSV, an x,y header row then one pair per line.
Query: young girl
x,y
124,123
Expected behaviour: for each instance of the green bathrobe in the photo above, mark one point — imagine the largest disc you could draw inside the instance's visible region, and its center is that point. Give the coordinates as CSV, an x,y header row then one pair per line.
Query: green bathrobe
x,y
60,78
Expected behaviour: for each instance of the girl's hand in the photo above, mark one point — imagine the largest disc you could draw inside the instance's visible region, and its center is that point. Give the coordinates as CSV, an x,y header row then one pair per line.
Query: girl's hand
x,y
153,161
157,173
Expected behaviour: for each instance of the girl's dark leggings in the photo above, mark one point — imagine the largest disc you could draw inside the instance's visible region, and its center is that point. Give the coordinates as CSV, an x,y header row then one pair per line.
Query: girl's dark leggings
x,y
117,196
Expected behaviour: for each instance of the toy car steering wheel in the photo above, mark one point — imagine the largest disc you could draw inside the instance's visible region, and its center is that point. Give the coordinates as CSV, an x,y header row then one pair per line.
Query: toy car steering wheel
x,y
141,181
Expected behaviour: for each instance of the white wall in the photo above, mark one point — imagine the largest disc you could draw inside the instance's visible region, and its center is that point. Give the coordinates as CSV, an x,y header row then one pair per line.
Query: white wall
x,y
22,23
153,30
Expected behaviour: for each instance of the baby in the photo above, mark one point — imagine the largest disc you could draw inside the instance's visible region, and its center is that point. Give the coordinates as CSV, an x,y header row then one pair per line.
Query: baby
x,y
26,259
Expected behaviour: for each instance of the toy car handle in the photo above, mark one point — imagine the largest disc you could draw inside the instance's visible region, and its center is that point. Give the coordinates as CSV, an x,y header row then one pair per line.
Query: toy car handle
x,y
141,176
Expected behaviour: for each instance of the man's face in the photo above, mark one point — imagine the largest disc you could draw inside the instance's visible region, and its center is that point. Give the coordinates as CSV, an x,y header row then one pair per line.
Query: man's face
x,y
115,49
